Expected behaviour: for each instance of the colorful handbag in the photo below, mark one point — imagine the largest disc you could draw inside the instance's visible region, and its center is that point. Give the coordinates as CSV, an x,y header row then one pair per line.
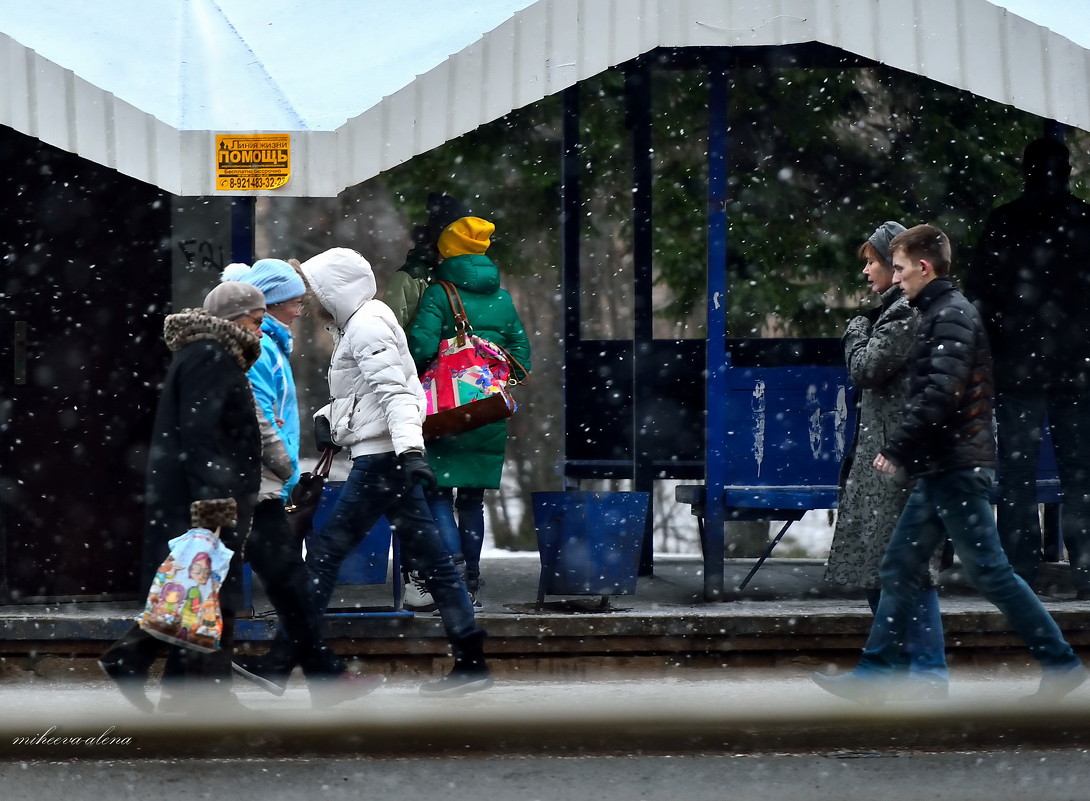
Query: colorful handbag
x,y
183,605
468,385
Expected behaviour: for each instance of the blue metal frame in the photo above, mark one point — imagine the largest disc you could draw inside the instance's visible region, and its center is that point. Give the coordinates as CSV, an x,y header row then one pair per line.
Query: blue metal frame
x,y
716,458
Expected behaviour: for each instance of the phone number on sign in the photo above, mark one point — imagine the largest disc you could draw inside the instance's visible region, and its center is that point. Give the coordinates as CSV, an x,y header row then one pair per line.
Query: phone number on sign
x,y
252,182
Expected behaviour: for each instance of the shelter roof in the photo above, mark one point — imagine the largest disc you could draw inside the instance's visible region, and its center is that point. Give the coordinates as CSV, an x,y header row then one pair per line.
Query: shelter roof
x,y
363,85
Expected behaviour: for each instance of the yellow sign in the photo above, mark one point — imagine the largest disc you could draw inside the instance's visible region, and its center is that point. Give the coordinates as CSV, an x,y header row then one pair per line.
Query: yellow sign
x,y
254,161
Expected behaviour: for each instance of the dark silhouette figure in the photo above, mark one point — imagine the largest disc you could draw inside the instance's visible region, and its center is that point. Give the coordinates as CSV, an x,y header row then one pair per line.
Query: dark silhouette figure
x,y
1030,281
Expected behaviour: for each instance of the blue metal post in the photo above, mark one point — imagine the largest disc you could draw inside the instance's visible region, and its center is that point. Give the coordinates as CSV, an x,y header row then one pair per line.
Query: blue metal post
x,y
638,91
242,229
570,201
715,460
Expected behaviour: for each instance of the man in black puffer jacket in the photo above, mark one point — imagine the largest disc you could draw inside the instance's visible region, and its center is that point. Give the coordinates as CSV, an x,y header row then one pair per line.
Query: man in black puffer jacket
x,y
945,441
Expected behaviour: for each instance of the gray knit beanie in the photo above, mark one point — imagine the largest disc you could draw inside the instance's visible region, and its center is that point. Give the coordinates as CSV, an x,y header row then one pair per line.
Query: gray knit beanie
x,y
233,299
882,236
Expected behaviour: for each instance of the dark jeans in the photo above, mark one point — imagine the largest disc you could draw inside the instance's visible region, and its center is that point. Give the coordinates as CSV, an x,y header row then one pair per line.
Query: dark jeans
x,y
955,504
460,518
276,556
1020,415
925,647
374,488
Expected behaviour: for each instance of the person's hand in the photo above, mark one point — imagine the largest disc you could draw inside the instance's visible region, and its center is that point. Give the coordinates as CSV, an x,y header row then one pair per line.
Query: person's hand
x,y
884,465
414,466
323,436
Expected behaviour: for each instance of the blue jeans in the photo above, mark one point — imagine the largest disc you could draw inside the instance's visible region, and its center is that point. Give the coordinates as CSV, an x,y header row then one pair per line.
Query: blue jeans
x,y
1020,415
374,488
955,504
461,523
925,646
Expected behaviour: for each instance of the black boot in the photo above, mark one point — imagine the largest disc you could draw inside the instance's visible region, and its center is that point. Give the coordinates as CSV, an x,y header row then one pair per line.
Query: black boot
x,y
127,662
470,672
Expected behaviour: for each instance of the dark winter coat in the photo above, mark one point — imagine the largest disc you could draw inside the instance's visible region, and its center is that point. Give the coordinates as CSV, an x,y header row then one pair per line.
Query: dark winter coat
x,y
1030,279
877,356
947,419
475,458
206,442
408,284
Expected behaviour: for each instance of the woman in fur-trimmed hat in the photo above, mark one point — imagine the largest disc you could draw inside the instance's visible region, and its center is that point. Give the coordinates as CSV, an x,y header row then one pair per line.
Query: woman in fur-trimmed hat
x,y
205,445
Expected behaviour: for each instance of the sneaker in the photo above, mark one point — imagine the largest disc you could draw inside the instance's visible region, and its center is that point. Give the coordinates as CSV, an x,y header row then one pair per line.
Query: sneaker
x,y
457,683
1055,684
130,684
416,597
327,692
853,686
253,669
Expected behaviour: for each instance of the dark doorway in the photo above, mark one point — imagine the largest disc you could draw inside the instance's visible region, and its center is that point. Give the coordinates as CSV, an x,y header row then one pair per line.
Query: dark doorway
x,y
86,283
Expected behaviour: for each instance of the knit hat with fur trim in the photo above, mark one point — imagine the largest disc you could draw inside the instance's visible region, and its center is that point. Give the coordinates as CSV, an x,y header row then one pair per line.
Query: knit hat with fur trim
x,y
277,279
232,299
467,235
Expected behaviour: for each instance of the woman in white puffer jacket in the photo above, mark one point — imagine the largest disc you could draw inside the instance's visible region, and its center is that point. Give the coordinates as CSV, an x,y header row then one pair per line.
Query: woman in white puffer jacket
x,y
376,413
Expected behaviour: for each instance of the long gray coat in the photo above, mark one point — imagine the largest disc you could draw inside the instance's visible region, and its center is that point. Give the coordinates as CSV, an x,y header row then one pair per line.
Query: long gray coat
x,y
870,503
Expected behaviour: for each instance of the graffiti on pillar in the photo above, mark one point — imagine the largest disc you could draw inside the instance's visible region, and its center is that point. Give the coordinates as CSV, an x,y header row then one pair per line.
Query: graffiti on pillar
x,y
759,423
202,255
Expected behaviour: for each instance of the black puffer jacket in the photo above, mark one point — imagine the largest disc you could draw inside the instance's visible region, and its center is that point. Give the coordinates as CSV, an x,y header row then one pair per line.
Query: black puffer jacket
x,y
947,420
1030,280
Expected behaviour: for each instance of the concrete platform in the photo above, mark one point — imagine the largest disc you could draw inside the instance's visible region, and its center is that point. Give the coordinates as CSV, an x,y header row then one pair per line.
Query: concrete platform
x,y
786,616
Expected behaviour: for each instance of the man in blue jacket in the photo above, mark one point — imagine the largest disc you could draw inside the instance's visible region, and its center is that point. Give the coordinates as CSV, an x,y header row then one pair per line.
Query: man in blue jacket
x,y
945,440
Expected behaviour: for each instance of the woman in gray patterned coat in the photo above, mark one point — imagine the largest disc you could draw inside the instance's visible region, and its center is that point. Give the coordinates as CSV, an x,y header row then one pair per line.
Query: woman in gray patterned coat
x,y
876,347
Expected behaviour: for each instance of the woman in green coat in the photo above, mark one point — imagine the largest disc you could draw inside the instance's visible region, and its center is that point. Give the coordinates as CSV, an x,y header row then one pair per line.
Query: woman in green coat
x,y
467,464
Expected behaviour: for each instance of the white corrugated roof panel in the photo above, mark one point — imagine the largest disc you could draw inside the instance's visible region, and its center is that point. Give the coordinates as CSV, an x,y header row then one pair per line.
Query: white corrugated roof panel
x,y
362,85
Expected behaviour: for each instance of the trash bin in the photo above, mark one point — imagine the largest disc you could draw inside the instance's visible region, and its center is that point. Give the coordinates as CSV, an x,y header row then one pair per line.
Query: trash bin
x,y
589,542
369,562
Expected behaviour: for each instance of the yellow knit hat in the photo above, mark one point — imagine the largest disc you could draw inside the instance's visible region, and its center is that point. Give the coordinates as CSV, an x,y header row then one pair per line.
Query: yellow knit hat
x,y
467,235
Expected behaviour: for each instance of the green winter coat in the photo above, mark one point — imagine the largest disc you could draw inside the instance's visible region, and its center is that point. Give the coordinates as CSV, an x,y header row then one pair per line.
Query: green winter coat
x,y
475,458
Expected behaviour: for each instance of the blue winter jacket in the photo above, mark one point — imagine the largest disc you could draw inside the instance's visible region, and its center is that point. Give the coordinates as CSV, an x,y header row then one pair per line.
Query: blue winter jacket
x,y
274,394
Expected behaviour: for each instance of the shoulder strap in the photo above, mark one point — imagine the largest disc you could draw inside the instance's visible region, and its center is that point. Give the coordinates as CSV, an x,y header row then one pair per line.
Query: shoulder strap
x,y
461,325
324,463
461,322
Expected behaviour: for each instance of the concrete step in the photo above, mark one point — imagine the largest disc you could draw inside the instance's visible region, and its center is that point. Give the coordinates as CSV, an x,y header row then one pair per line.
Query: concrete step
x,y
785,615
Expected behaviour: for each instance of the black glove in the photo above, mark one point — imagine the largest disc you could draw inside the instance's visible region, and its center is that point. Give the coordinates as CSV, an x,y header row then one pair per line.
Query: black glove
x,y
873,314
414,466
323,436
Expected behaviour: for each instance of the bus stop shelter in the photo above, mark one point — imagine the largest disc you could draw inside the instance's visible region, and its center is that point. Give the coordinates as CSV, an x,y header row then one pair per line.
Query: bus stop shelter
x,y
231,99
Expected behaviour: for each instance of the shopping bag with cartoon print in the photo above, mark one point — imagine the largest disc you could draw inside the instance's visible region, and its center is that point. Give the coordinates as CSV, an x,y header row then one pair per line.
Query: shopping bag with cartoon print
x,y
183,605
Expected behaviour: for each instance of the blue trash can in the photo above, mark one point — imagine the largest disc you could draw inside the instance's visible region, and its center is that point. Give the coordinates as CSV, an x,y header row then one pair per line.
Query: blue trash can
x,y
369,562
589,542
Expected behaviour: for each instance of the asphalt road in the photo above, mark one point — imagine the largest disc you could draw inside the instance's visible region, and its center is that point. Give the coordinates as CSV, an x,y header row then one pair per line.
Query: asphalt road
x,y
1014,775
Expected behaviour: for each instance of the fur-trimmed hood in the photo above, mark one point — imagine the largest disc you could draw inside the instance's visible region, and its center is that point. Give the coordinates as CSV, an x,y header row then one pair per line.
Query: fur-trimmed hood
x,y
192,325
